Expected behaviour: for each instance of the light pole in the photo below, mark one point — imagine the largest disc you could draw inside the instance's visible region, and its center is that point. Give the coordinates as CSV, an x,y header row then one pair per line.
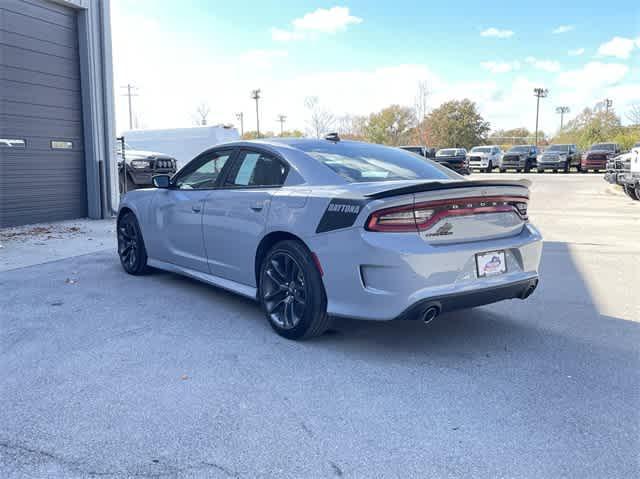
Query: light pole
x,y
131,92
561,110
240,118
255,95
608,103
539,93
282,119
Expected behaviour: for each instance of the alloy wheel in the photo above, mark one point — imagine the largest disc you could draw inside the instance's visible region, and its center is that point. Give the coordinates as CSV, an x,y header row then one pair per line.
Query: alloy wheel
x,y
128,243
284,290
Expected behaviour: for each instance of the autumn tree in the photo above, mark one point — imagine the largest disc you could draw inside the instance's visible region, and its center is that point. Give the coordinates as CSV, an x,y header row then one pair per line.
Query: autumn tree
x,y
321,120
351,127
390,126
457,124
590,126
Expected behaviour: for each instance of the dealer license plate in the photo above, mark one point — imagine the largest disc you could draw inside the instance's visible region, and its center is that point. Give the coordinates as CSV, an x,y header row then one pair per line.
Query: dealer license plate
x,y
491,263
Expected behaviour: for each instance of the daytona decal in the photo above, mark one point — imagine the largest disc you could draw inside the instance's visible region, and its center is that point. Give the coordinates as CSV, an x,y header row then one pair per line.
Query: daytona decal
x,y
341,213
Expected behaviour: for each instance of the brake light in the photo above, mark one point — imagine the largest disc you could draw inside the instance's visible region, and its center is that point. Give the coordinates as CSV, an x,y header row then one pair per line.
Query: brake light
x,y
421,216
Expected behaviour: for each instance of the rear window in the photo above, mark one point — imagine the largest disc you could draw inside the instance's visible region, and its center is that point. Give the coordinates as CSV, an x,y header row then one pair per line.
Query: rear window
x,y
561,148
362,162
604,146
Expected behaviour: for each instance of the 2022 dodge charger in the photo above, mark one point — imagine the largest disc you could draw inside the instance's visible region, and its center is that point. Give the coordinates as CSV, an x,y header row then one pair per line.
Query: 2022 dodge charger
x,y
316,229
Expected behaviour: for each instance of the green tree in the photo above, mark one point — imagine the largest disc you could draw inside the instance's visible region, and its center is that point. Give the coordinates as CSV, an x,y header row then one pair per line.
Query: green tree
x,y
252,135
590,126
457,124
292,134
390,126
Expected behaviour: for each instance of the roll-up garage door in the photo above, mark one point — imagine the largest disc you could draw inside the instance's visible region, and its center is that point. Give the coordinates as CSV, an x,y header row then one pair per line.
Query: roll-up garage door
x,y
42,166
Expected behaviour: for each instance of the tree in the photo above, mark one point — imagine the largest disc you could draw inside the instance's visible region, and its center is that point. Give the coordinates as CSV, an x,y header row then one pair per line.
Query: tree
x,y
634,114
590,126
321,120
253,134
421,108
351,127
201,114
390,126
292,134
458,124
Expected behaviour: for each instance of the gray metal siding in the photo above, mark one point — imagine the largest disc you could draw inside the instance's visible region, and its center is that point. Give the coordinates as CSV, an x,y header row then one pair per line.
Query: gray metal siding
x,y
40,102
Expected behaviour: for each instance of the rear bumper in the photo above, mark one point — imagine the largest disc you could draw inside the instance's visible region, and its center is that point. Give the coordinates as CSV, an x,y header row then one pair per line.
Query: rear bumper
x,y
471,299
382,276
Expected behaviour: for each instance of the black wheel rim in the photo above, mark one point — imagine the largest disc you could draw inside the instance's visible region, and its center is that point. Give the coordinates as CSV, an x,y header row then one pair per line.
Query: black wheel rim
x,y
127,244
284,290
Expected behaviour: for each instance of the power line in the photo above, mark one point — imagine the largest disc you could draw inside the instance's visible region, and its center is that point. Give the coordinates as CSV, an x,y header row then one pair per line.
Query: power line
x,y
282,119
539,93
255,95
131,92
561,110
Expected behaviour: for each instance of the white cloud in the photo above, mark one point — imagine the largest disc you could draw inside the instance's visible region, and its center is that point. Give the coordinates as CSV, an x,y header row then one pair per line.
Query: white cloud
x,y
500,67
544,65
618,47
280,35
495,32
322,20
563,29
576,52
593,75
326,20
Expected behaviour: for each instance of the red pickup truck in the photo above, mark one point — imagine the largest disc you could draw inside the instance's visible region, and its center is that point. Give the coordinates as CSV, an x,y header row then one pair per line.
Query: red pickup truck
x,y
596,157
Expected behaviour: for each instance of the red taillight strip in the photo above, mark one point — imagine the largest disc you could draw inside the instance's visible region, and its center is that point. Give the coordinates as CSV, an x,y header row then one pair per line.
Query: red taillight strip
x,y
445,208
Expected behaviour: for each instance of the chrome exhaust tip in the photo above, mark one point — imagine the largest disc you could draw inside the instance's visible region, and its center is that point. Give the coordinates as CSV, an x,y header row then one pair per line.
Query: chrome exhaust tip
x,y
431,313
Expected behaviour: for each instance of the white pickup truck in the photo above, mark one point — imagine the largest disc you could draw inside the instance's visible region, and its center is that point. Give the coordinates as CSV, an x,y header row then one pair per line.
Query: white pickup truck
x,y
624,170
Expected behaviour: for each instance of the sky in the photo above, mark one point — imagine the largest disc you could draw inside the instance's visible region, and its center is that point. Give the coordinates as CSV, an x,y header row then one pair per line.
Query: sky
x,y
361,56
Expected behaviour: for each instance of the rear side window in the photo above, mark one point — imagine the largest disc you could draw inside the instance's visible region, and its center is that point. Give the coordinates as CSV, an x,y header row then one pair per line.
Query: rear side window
x,y
362,162
257,169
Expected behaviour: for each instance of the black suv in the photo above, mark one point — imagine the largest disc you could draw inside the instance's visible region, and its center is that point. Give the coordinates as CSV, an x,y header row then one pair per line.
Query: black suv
x,y
521,158
420,150
139,167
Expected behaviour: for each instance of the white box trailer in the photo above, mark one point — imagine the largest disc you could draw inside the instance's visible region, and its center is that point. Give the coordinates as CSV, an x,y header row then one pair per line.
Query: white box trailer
x,y
183,144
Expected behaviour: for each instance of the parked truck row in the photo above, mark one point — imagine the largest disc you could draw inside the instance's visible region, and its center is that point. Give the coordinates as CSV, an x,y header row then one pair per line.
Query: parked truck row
x,y
522,158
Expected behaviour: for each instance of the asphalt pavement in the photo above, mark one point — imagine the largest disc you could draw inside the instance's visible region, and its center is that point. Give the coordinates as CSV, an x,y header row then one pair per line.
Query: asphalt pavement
x,y
105,374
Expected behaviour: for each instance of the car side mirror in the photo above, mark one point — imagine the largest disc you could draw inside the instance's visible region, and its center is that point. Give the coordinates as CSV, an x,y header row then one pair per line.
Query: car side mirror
x,y
161,181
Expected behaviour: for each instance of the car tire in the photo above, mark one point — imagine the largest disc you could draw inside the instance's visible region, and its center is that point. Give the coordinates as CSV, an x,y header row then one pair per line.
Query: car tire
x,y
518,170
632,192
503,170
131,249
567,167
490,167
291,292
637,190
596,171
540,170
527,167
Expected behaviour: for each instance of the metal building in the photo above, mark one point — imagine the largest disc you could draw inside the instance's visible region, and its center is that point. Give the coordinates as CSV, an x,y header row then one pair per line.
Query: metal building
x,y
56,111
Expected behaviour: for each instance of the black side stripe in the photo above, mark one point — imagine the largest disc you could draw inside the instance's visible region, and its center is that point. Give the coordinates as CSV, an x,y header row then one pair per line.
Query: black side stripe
x,y
341,213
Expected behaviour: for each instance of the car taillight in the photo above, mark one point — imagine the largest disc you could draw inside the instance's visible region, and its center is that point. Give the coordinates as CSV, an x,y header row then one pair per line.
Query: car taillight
x,y
421,216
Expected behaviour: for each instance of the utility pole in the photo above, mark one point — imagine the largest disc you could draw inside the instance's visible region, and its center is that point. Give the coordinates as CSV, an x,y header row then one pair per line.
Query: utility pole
x,y
561,110
240,118
255,95
282,119
539,93
131,91
608,103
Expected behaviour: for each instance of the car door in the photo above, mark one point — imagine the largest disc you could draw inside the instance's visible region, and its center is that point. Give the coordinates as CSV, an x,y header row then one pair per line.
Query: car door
x,y
235,216
178,211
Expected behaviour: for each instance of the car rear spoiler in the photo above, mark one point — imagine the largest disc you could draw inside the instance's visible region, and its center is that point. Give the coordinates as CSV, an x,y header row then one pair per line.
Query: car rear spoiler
x,y
449,185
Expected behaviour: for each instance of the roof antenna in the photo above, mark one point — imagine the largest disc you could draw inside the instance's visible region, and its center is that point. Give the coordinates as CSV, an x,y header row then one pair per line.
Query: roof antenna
x,y
332,137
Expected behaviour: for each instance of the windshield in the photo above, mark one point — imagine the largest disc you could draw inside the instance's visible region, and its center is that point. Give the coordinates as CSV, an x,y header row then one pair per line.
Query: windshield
x,y
364,162
481,149
604,146
519,149
447,152
561,148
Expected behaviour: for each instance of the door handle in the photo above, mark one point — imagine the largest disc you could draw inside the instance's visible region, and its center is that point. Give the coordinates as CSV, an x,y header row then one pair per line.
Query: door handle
x,y
257,206
196,208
